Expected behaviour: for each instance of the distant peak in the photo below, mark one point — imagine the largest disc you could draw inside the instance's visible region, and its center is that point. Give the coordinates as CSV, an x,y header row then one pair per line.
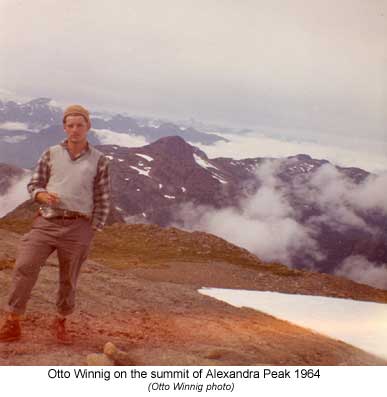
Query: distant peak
x,y
301,157
173,139
40,101
307,158
174,145
170,126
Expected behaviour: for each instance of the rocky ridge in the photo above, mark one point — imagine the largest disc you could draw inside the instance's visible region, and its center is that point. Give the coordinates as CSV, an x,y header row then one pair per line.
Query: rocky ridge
x,y
145,301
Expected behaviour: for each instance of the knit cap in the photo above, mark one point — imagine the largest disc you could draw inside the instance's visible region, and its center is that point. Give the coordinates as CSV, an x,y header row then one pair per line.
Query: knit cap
x,y
76,110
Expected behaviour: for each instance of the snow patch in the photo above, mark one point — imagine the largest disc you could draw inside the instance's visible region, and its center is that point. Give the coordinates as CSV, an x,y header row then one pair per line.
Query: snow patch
x,y
361,324
218,178
303,167
141,172
203,163
149,158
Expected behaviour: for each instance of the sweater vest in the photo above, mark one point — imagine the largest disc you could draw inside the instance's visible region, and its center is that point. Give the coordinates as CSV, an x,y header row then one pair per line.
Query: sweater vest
x,y
73,180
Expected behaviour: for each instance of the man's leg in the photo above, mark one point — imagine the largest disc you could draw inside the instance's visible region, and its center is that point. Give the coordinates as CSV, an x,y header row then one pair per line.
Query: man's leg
x,y
36,246
72,252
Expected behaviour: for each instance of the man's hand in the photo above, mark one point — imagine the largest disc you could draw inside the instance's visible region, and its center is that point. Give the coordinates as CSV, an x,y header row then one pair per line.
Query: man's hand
x,y
49,198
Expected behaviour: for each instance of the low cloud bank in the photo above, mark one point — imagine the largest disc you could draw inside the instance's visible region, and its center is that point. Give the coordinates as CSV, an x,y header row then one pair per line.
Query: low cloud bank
x,y
15,194
14,126
343,203
368,155
268,223
264,223
13,138
108,137
360,269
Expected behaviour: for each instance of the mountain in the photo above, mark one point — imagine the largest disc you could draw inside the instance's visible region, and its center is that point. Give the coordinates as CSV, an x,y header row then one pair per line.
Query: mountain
x,y
26,129
170,182
139,290
36,114
155,179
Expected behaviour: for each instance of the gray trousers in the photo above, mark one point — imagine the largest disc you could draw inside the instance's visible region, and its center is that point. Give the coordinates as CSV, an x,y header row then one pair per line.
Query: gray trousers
x,y
71,238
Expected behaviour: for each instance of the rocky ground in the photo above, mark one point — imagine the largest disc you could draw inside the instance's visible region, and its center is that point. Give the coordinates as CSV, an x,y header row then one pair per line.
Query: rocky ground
x,y
151,308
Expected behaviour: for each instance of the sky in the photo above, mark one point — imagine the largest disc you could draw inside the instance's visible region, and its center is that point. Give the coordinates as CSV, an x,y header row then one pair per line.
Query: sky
x,y
305,76
305,69
361,324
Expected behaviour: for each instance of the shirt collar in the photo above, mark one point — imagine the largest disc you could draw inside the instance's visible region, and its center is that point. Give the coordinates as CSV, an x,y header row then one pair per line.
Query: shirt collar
x,y
64,144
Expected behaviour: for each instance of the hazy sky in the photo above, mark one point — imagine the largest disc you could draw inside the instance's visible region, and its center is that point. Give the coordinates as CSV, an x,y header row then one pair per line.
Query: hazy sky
x,y
313,67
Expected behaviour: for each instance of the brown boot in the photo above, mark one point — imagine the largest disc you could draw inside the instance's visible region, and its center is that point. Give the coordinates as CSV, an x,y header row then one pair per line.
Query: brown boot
x,y
10,331
62,336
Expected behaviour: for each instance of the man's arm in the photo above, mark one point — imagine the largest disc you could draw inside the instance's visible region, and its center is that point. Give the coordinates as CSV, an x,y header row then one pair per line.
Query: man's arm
x,y
40,176
101,194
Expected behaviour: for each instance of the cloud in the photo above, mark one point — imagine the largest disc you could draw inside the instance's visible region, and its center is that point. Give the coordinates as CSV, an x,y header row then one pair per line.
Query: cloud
x,y
108,137
13,139
369,155
371,193
15,194
14,126
343,202
263,223
359,269
268,224
332,193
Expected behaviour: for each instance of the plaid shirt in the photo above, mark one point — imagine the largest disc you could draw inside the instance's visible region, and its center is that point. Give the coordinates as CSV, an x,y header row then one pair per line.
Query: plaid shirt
x,y
41,176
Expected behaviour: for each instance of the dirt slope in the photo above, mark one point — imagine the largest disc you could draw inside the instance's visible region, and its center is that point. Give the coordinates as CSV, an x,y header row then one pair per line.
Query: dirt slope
x,y
153,311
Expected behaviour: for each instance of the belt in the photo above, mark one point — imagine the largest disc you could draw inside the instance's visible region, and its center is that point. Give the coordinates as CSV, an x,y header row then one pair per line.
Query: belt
x,y
66,214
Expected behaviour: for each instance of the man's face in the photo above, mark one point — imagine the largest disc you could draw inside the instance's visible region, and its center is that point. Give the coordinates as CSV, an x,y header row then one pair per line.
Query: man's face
x,y
76,128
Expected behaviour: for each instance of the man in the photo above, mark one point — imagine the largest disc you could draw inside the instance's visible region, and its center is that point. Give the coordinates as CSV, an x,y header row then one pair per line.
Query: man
x,y
71,182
